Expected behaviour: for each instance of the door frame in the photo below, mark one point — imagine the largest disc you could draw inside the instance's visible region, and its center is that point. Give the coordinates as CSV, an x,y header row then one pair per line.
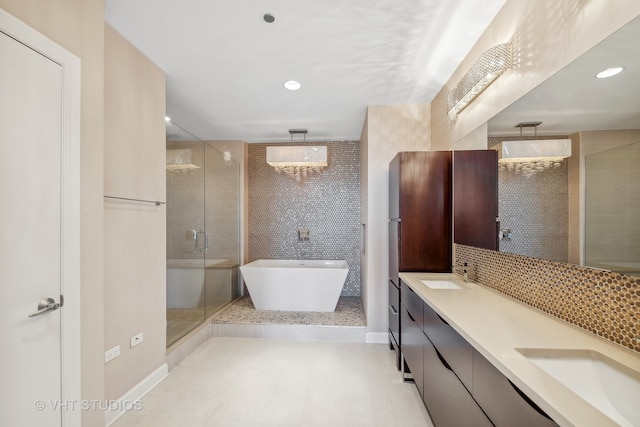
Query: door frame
x,y
70,208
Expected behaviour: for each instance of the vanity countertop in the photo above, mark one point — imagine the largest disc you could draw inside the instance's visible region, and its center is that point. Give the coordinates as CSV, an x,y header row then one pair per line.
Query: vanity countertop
x,y
497,325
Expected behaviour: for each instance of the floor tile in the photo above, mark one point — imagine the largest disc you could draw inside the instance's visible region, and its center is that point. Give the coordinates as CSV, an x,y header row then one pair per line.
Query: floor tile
x,y
232,381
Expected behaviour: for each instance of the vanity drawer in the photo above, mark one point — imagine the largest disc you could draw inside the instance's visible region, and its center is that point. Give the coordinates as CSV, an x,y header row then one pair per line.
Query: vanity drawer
x,y
412,302
413,341
450,344
394,324
447,400
501,400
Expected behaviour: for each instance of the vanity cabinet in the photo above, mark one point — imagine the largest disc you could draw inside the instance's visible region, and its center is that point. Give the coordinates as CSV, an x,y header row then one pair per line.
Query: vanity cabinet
x,y
413,337
448,402
501,400
394,321
458,385
451,345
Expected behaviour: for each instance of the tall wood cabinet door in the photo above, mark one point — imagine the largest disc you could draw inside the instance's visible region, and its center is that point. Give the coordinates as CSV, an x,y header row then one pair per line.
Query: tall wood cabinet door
x,y
475,198
420,197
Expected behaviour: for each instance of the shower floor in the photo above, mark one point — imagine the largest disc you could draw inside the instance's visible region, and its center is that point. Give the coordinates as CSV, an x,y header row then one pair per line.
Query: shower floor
x,y
348,312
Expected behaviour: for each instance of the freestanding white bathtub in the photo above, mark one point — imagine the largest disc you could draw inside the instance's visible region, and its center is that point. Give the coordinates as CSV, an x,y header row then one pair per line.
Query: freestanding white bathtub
x,y
295,285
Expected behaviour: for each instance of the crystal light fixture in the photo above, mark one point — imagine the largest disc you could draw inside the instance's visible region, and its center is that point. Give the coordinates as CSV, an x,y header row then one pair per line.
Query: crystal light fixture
x,y
297,161
528,157
487,68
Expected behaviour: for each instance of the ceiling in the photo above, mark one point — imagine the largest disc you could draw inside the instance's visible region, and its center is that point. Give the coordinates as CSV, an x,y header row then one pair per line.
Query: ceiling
x,y
225,66
573,99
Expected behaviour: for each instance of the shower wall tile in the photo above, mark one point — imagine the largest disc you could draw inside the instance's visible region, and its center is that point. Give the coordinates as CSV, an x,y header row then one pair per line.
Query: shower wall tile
x,y
535,209
327,203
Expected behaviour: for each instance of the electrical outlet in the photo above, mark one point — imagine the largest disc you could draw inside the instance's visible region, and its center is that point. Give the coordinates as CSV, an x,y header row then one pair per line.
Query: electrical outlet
x,y
137,339
111,354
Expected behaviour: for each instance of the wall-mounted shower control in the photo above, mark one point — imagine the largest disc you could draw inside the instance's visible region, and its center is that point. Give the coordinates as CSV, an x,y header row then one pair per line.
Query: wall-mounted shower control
x,y
303,235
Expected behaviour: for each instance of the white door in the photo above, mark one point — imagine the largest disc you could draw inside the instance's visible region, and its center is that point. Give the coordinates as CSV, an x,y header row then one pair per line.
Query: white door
x,y
31,236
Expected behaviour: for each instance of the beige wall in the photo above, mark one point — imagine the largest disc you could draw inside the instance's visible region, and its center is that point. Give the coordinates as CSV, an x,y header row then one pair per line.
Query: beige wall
x,y
388,130
548,35
77,25
135,232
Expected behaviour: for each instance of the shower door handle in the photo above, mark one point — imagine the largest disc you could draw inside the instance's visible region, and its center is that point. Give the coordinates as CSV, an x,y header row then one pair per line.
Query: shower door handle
x,y
206,241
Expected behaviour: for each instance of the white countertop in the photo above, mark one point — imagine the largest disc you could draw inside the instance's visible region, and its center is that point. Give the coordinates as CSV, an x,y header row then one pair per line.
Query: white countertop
x,y
496,325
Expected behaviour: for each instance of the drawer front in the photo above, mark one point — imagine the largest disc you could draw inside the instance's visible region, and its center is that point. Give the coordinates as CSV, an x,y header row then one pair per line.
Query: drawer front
x,y
413,341
448,402
394,296
503,403
451,345
394,325
412,302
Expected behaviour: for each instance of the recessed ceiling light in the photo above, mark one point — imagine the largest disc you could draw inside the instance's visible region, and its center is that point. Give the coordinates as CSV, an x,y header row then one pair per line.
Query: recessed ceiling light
x,y
609,72
292,85
268,18
167,118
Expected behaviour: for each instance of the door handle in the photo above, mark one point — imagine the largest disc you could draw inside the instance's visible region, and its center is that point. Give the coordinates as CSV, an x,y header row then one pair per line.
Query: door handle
x,y
206,241
46,305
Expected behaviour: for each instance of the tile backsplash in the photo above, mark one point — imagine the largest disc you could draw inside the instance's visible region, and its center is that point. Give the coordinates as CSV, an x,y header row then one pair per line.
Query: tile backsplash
x,y
601,302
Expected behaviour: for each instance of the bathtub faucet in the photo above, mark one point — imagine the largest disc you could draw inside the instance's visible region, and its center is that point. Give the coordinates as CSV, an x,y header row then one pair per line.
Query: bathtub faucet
x,y
303,235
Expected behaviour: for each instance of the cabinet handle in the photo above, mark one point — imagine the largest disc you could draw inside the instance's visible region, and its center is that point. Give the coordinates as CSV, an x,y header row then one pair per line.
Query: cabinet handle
x,y
393,310
444,362
410,316
443,321
529,401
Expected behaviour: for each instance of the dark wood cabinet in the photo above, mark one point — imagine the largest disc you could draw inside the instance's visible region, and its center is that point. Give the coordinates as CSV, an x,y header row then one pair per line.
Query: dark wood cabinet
x,y
394,321
475,190
458,385
448,402
420,215
420,212
450,344
501,400
413,342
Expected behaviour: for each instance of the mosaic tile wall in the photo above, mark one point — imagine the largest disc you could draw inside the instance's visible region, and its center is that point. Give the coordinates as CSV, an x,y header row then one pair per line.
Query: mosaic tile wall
x,y
326,203
604,303
535,209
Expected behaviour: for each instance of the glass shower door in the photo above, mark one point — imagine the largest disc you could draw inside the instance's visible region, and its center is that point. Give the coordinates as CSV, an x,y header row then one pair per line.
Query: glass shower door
x,y
187,241
222,226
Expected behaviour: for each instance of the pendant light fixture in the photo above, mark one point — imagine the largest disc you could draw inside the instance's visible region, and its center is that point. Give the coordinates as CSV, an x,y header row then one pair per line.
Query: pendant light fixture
x,y
297,161
530,156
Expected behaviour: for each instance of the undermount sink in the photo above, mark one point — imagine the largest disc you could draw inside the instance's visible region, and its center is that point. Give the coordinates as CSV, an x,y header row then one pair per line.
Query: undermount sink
x,y
442,284
606,384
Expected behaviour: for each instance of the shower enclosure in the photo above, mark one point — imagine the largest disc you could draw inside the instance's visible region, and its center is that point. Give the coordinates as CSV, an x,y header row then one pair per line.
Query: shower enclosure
x,y
203,223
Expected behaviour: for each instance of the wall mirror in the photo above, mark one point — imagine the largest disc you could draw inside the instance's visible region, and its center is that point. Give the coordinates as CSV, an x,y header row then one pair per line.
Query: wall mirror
x,y
587,210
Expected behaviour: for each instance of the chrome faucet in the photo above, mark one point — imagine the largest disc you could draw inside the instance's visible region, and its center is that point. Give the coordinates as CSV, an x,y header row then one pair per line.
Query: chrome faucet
x,y
465,270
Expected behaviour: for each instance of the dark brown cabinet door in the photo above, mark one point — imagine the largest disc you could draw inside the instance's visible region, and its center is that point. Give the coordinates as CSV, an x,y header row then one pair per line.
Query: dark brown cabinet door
x,y
448,402
420,198
475,193
501,400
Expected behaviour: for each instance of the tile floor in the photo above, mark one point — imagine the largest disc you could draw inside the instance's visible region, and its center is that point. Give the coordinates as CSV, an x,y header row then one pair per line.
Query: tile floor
x,y
264,382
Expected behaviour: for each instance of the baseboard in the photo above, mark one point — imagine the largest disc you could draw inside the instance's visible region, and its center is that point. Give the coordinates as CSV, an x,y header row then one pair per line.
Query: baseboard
x,y
130,400
377,338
